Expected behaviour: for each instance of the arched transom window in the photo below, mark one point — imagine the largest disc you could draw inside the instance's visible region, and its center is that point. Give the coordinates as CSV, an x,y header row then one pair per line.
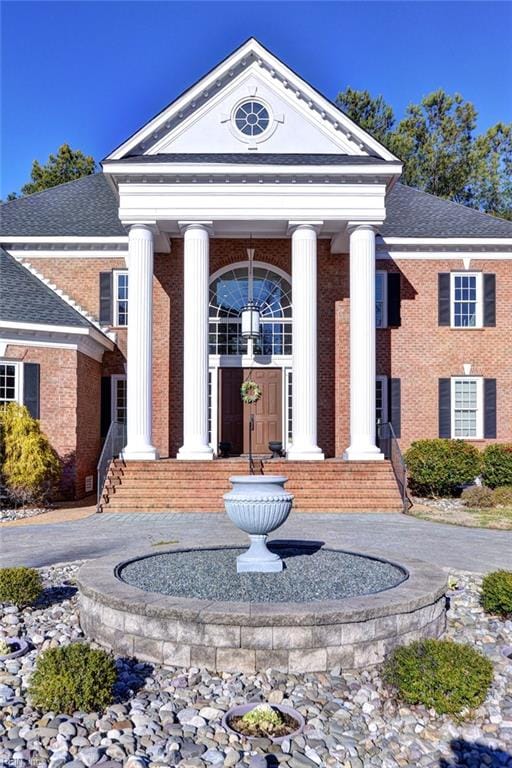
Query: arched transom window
x,y
229,292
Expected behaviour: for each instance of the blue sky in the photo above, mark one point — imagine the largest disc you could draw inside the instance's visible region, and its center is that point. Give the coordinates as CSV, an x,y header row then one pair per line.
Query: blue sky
x,y
90,73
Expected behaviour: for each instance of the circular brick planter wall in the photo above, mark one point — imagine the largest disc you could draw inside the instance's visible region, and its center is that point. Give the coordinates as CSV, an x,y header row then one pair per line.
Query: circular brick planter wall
x,y
245,637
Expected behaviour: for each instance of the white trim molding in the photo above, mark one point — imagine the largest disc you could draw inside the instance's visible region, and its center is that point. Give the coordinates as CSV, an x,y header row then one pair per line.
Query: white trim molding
x,y
479,433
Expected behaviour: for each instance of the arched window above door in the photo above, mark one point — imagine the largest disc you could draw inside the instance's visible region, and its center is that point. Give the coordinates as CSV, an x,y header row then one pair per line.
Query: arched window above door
x,y
229,292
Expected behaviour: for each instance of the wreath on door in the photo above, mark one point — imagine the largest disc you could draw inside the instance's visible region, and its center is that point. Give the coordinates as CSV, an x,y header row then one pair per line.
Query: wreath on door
x,y
250,392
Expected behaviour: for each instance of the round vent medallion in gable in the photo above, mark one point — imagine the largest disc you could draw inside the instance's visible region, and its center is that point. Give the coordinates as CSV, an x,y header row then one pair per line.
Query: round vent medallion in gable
x,y
252,118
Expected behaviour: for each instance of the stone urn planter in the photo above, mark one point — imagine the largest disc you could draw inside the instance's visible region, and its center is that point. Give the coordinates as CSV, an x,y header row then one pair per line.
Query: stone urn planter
x,y
293,722
17,647
258,504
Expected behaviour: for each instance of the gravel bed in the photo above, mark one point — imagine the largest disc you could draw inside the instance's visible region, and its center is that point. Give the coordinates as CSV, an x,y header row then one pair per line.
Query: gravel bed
x,y
19,513
172,717
309,575
444,504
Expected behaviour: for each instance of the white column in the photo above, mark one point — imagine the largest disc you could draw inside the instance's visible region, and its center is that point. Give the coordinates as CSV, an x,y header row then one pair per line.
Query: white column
x,y
195,343
139,349
304,383
362,345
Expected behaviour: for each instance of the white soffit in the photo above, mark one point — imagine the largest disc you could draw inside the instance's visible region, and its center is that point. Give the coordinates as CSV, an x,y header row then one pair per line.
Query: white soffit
x,y
291,99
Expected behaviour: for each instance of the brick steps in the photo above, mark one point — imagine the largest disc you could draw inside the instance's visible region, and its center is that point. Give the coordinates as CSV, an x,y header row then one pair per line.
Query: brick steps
x,y
185,486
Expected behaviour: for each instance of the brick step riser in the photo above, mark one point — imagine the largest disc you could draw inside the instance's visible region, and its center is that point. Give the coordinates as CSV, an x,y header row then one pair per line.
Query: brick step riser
x,y
216,497
335,485
218,510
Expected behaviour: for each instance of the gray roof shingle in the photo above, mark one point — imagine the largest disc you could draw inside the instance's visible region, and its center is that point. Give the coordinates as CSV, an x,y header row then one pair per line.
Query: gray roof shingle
x,y
25,299
412,213
247,158
87,206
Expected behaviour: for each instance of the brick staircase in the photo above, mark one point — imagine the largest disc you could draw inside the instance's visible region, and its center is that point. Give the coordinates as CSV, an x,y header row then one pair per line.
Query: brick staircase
x,y
169,485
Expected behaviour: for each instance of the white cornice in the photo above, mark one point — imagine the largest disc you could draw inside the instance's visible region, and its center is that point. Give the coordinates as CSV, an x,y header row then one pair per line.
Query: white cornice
x,y
251,54
447,240
55,337
210,172
63,239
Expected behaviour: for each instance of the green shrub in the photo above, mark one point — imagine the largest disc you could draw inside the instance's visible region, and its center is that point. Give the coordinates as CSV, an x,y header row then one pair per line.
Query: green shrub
x,y
478,496
503,496
442,674
30,467
497,465
439,467
497,593
20,586
73,677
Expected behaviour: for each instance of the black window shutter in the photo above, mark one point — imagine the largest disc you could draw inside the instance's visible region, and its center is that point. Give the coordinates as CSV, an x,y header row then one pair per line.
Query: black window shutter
x,y
394,405
489,300
445,408
106,298
394,318
443,298
31,388
106,401
490,408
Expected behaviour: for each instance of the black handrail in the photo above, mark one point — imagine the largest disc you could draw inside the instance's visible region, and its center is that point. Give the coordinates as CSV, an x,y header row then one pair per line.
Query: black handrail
x,y
112,447
388,444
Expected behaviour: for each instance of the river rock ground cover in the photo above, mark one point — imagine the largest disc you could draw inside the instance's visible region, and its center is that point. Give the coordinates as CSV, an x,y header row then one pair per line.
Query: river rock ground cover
x,y
173,716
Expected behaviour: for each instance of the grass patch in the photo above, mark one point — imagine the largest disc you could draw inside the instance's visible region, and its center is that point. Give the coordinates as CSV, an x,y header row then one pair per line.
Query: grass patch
x,y
497,518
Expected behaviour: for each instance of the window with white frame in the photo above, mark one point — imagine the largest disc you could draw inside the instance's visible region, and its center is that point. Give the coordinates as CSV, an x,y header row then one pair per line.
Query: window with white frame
x,y
9,383
120,297
381,300
466,299
118,399
467,407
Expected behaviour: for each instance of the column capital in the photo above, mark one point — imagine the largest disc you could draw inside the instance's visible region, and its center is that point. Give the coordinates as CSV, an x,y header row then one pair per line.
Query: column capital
x,y
356,226
293,226
204,226
142,226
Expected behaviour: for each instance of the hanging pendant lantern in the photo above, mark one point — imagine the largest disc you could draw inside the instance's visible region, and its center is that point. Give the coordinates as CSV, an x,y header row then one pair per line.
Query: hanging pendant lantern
x,y
250,313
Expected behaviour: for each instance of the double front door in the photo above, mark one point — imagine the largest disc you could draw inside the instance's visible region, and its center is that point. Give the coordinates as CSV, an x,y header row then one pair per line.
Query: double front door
x,y
235,416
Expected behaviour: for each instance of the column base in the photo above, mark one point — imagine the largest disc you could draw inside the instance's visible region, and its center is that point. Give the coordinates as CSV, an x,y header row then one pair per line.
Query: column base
x,y
139,453
202,453
368,453
310,453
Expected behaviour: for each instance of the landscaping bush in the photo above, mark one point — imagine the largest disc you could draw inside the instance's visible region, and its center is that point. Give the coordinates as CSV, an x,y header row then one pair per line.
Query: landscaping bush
x,y
440,467
497,465
478,496
442,674
503,496
20,586
73,677
497,593
30,467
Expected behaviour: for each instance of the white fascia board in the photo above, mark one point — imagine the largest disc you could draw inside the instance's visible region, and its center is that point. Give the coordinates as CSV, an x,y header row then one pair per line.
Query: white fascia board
x,y
72,239
444,255
447,240
286,74
22,253
232,169
45,328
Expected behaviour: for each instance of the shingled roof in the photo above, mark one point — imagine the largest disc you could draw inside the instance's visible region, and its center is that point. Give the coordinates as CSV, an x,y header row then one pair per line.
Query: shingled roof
x,y
85,207
89,207
257,158
25,299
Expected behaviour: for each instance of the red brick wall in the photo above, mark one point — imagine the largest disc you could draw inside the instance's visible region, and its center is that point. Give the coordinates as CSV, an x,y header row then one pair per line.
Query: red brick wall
x,y
88,441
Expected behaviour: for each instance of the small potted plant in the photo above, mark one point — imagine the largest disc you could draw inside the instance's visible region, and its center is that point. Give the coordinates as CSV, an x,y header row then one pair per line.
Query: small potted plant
x,y
12,647
254,721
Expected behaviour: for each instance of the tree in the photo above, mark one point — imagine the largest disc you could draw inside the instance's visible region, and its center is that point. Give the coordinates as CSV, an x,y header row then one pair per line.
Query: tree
x,y
437,143
372,114
67,165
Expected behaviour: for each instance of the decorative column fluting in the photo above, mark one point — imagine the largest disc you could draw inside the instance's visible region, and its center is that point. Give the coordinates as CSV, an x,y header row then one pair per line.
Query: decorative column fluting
x,y
362,345
140,342
304,366
195,342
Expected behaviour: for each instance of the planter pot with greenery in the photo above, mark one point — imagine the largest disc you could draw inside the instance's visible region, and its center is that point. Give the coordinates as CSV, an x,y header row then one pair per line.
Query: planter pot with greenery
x,y
255,721
12,648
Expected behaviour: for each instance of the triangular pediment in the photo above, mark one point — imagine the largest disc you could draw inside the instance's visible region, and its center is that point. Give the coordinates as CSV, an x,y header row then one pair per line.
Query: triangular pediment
x,y
217,115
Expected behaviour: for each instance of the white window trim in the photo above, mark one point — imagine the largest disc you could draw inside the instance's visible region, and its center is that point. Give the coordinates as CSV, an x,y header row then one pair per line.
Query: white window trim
x,y
382,274
113,394
385,415
213,372
479,405
479,300
115,298
18,383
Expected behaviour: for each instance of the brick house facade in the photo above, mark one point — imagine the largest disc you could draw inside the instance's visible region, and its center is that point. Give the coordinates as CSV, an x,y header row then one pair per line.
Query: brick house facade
x,y
312,196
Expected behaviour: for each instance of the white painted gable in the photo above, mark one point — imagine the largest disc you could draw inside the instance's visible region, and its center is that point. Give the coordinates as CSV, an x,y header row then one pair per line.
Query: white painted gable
x,y
202,119
213,128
